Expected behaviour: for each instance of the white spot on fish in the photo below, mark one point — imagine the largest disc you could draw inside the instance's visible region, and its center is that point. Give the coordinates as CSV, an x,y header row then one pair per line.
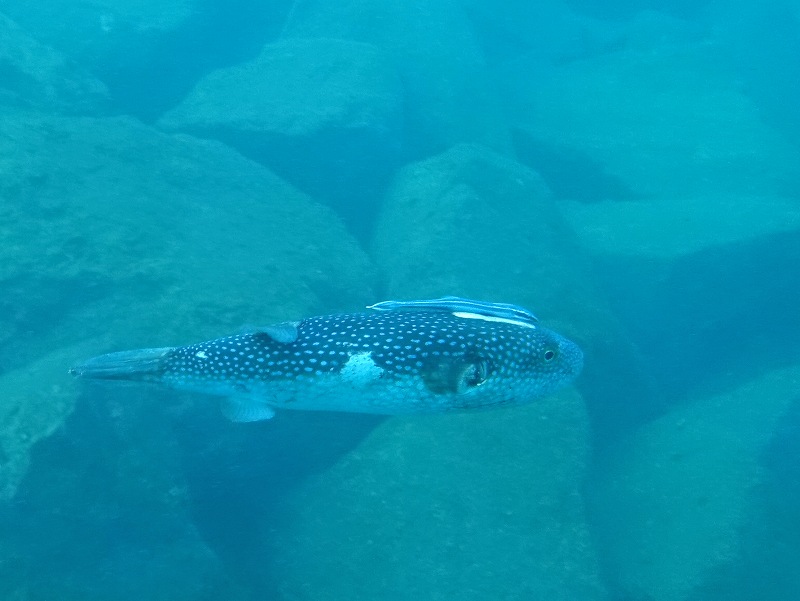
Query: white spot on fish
x,y
201,355
360,370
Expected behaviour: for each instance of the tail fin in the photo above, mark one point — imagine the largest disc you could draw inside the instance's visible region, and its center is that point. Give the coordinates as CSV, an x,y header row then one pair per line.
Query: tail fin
x,y
140,364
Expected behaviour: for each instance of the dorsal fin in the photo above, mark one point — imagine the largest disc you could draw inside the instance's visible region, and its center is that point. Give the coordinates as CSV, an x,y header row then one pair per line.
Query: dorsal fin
x,y
455,304
280,332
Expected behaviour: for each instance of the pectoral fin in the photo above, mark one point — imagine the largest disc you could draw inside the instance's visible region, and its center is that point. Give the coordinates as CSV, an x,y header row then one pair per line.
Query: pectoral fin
x,y
246,408
455,375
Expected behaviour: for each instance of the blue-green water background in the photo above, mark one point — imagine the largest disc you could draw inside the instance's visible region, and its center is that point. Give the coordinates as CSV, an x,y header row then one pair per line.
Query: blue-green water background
x,y
123,493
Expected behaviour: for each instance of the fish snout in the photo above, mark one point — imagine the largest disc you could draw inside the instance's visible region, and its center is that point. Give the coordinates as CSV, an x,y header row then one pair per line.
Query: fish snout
x,y
572,356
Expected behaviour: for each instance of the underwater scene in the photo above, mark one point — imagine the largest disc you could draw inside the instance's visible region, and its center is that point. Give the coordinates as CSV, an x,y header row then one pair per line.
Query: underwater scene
x,y
387,300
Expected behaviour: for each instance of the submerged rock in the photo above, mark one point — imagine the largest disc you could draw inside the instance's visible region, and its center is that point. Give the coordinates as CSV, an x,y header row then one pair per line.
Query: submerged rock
x,y
472,222
664,230
149,53
103,34
37,398
98,22
116,235
107,221
473,506
324,114
110,211
712,264
666,122
105,503
36,76
680,194
672,501
449,96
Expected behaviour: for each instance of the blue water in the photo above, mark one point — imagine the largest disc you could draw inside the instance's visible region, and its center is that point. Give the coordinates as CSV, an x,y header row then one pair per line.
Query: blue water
x,y
629,171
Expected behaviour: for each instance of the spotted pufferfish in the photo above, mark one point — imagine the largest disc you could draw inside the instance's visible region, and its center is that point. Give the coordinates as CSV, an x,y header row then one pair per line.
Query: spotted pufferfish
x,y
399,357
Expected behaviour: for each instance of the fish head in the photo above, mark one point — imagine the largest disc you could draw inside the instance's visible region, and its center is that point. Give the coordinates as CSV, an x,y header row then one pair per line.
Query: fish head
x,y
545,360
514,364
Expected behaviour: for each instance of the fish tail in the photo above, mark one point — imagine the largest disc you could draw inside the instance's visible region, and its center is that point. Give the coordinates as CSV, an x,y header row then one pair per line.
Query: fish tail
x,y
140,364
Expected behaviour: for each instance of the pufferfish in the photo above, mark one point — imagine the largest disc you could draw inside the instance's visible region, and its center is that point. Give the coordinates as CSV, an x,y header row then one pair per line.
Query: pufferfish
x,y
399,357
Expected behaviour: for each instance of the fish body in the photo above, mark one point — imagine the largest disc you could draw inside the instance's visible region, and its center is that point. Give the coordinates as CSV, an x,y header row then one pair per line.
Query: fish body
x,y
409,358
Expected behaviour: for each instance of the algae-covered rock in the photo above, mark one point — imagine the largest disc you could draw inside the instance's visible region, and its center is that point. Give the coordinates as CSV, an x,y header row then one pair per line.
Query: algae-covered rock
x,y
670,230
120,236
683,198
102,204
665,122
449,93
711,264
107,506
325,114
770,539
36,399
150,53
100,33
35,76
474,222
471,506
672,501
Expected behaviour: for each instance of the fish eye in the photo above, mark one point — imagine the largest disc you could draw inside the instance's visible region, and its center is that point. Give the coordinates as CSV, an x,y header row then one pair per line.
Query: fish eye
x,y
549,355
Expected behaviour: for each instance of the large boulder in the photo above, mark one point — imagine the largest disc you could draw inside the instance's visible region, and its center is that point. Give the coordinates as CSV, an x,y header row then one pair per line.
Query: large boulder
x,y
770,539
37,399
102,35
472,211
149,53
118,236
707,265
36,76
449,93
765,64
672,230
659,122
471,506
324,114
123,236
99,209
85,28
107,504
672,501
681,195
528,38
